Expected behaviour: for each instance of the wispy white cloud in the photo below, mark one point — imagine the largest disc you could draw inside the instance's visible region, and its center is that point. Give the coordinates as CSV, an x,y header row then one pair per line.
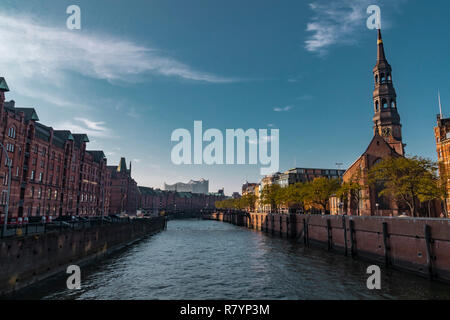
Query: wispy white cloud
x,y
295,78
282,109
133,114
335,22
305,97
38,60
83,125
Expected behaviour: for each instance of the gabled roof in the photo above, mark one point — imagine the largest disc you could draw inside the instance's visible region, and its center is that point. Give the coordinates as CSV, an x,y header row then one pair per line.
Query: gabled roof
x,y
64,134
376,138
42,131
3,85
146,190
97,155
80,138
29,113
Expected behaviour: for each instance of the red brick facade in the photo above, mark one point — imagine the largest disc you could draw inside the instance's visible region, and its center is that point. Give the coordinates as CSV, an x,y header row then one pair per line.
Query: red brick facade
x,y
123,190
154,201
53,174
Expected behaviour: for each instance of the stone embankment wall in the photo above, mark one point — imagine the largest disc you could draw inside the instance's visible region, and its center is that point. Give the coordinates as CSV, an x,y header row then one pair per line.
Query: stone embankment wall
x,y
26,260
418,245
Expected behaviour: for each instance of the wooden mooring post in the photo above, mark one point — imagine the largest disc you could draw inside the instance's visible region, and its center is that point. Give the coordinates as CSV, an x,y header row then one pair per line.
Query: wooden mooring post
x,y
352,238
430,257
344,226
387,248
329,235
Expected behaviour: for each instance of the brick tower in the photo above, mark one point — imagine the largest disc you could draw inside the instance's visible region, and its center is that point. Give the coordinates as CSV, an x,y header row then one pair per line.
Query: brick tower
x,y
386,118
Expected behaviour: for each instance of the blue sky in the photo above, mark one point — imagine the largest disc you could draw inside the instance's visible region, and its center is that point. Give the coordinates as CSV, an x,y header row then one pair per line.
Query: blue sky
x,y
137,70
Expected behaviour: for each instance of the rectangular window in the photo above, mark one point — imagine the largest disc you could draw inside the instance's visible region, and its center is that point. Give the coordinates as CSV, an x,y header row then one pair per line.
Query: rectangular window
x,y
32,175
4,196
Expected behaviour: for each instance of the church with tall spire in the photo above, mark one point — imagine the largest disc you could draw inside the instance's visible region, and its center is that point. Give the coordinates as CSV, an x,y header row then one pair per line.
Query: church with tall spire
x,y
387,142
386,119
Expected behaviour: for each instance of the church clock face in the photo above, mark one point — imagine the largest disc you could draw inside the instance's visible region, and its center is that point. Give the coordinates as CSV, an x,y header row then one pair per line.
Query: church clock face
x,y
386,132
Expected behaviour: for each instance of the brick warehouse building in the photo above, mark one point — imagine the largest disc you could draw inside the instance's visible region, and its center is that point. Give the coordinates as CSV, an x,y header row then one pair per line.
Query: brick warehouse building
x,y
153,201
124,192
54,174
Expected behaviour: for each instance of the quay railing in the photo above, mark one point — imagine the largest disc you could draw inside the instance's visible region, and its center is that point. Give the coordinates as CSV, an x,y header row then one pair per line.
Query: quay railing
x,y
19,230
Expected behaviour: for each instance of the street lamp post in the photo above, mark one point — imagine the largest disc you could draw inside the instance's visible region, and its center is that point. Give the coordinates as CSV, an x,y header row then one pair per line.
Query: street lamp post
x,y
5,226
377,205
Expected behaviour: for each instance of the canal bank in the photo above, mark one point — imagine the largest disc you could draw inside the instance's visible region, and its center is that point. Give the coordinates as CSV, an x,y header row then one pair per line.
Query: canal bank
x,y
205,259
417,245
30,259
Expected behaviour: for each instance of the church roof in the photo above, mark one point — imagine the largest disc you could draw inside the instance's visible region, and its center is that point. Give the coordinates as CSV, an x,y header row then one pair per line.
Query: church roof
x,y
376,138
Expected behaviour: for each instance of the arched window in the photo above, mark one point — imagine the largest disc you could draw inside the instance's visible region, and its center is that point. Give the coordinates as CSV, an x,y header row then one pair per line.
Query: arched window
x,y
383,78
377,106
389,77
393,104
384,103
376,78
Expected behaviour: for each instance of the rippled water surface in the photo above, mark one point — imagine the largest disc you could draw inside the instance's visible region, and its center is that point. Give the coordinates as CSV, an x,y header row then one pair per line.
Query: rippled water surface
x,y
197,259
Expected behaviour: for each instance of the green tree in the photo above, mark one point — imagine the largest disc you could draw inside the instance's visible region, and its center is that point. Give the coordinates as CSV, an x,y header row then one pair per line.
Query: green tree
x,y
248,202
407,180
430,189
353,190
294,196
271,195
319,191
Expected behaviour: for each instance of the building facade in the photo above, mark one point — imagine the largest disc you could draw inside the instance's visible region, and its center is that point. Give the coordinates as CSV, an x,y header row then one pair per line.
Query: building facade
x,y
52,173
156,201
123,190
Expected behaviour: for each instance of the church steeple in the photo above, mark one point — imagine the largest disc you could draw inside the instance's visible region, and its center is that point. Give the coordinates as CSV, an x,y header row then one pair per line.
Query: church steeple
x,y
386,119
381,56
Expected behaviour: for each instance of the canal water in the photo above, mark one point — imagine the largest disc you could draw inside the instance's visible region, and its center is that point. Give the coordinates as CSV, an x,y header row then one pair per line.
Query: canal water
x,y
202,259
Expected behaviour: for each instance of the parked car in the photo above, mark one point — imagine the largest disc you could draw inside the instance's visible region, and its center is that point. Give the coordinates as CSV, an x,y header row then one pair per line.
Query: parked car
x,y
63,218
